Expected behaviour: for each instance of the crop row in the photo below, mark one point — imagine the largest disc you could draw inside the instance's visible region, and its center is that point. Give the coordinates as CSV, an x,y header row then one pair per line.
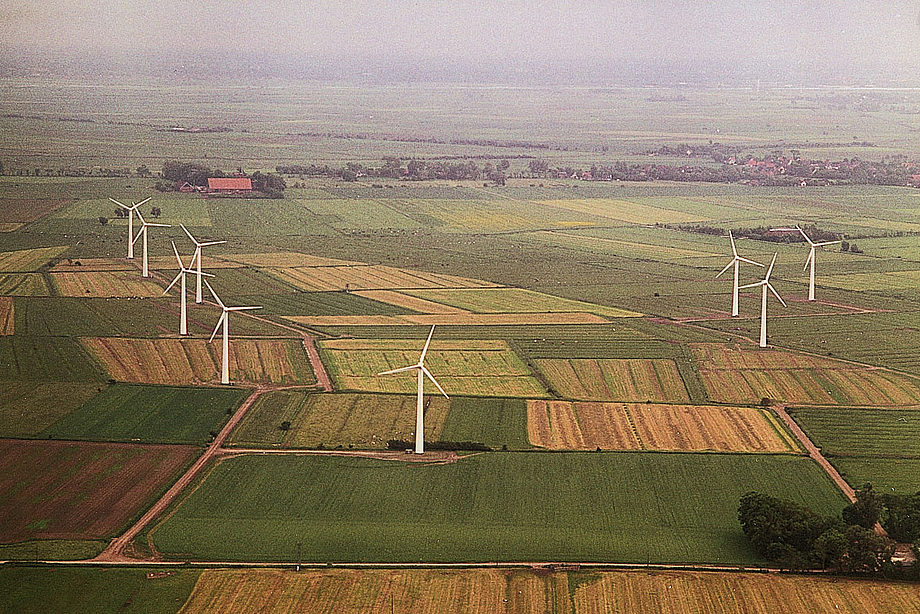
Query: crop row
x,y
607,379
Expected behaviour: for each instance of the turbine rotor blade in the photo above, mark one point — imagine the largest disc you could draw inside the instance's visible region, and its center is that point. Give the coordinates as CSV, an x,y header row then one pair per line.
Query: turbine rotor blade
x,y
216,328
750,261
802,232
189,234
732,239
811,256
214,294
753,285
206,243
240,308
143,201
427,343
434,381
770,270
120,204
174,281
776,294
400,370
176,252
727,266
160,225
823,243
141,217
139,233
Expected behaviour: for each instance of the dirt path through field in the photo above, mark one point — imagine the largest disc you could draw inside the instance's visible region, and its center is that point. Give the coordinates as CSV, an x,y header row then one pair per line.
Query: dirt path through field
x,y
116,549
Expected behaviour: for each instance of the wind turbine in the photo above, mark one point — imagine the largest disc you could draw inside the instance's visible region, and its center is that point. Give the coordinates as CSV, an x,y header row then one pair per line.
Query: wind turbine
x,y
197,257
419,407
736,260
811,261
131,211
143,233
183,325
225,357
763,304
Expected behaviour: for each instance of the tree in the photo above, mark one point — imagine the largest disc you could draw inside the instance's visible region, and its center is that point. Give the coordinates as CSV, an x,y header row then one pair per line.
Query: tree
x,y
143,171
155,212
902,516
866,551
504,165
103,220
866,510
349,175
538,167
830,548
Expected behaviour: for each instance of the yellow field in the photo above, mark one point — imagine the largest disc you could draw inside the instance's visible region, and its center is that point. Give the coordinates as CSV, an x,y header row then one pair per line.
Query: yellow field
x,y
734,375
607,379
409,302
454,319
22,284
285,260
105,284
624,211
192,361
368,277
496,591
7,319
123,264
515,300
632,249
564,425
26,260
462,367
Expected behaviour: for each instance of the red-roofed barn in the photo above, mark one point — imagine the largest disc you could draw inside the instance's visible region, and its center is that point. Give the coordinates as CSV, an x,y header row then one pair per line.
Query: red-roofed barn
x,y
229,185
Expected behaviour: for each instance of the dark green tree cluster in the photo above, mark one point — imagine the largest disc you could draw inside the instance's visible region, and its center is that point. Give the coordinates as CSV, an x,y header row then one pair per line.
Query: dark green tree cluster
x,y
269,183
795,537
181,172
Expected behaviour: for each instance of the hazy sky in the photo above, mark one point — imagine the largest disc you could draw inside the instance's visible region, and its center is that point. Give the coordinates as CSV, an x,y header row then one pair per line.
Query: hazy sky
x,y
819,32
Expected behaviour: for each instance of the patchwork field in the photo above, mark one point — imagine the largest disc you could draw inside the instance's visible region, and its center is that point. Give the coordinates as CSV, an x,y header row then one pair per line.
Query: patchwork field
x,y
369,277
625,211
28,408
192,361
454,319
330,420
104,284
734,375
406,301
473,368
22,284
285,260
7,317
65,490
615,379
149,414
514,300
28,260
77,265
514,506
564,425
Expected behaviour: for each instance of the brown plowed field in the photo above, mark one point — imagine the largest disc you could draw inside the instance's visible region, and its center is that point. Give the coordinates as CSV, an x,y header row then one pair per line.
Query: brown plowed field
x,y
68,490
191,361
7,320
735,375
566,425
608,379
24,210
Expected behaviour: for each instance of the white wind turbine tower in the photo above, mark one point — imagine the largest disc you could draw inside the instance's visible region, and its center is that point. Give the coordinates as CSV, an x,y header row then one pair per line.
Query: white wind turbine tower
x,y
183,319
131,211
143,233
419,407
763,305
811,261
197,258
224,319
736,260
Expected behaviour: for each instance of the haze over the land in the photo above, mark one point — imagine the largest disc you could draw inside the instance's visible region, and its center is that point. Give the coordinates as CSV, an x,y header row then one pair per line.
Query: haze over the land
x,y
783,41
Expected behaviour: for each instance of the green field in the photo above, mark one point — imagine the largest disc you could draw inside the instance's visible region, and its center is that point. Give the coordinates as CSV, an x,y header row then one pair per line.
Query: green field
x,y
81,590
494,422
862,432
499,506
900,475
46,359
28,408
513,300
149,414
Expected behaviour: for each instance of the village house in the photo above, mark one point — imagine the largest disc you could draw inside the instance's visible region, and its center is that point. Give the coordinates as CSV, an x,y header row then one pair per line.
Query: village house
x,y
229,185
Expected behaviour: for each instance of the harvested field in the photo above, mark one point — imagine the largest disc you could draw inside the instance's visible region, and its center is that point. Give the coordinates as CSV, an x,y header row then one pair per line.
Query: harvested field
x,y
625,211
106,284
564,425
453,319
462,367
515,300
27,408
76,265
66,490
609,379
194,361
7,318
329,420
21,211
413,303
22,284
285,260
369,277
28,260
734,375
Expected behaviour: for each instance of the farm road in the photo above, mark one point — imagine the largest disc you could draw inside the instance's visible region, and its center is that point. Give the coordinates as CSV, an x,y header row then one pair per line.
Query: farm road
x,y
114,552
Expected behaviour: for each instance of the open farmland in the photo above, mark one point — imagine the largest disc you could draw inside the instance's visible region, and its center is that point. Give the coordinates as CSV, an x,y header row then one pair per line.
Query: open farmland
x,y
514,300
66,490
625,211
77,265
900,475
148,414
453,319
615,379
19,211
855,431
413,303
368,277
285,260
330,420
104,284
7,318
735,375
194,361
28,260
28,408
22,284
564,425
514,506
56,359
472,368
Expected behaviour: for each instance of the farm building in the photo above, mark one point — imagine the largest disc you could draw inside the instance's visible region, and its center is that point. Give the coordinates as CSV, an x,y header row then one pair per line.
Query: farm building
x,y
229,185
